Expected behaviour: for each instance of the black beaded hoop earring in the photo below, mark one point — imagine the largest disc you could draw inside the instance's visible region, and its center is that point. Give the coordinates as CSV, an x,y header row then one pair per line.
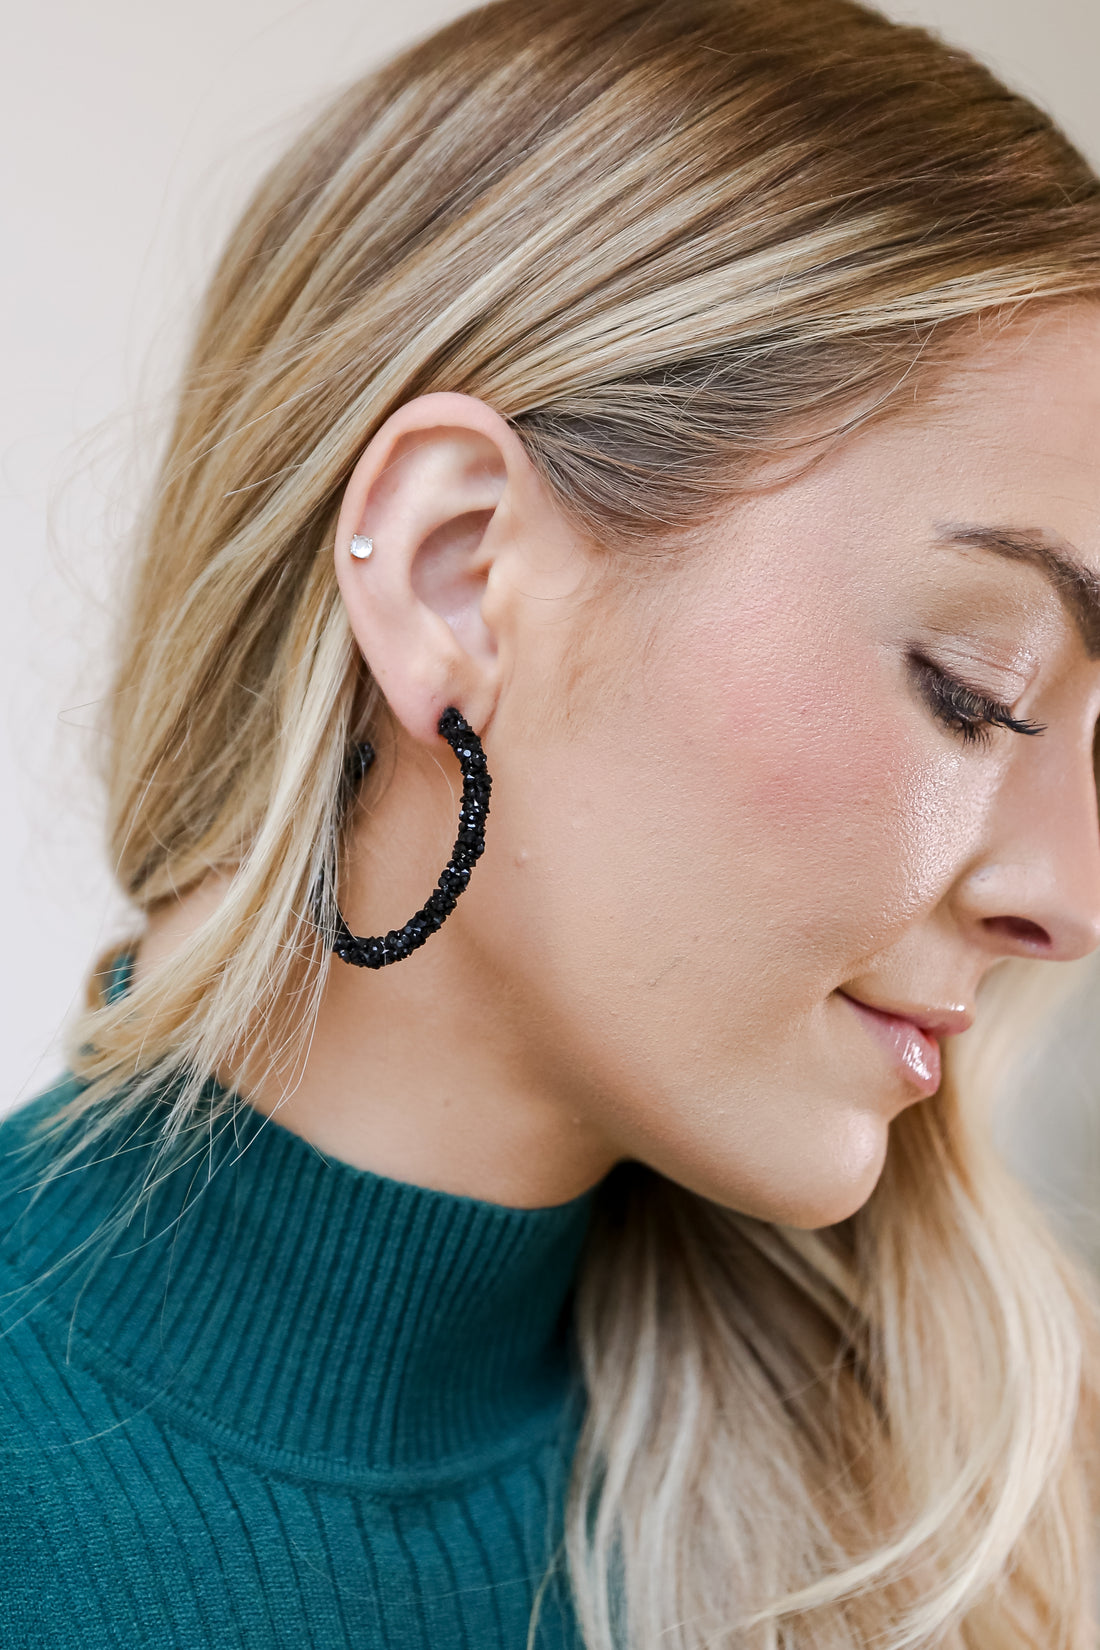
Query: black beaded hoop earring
x,y
381,949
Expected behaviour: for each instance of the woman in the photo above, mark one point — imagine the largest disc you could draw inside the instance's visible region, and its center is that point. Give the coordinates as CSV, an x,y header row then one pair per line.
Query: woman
x,y
680,419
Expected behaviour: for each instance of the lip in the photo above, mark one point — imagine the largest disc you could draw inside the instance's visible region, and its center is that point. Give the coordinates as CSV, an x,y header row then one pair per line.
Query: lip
x,y
912,1038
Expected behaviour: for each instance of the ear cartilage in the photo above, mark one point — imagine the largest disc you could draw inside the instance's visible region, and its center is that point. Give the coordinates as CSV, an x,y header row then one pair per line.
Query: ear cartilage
x,y
360,546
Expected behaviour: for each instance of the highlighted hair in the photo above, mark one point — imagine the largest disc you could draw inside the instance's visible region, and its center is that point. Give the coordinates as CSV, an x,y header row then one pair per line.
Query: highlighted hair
x,y
663,238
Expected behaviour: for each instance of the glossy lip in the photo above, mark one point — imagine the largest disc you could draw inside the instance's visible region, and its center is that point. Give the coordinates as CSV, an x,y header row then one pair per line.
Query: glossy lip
x,y
911,1037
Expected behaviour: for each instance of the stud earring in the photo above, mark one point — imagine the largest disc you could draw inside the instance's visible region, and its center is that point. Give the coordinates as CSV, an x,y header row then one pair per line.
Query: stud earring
x,y
380,949
360,546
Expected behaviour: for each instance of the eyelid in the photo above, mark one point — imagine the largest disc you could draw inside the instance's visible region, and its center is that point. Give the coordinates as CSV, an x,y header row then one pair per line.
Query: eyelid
x,y
953,676
1003,711
944,686
971,659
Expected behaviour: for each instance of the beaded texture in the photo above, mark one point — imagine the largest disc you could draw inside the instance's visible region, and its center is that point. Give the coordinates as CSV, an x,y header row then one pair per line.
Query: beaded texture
x,y
381,949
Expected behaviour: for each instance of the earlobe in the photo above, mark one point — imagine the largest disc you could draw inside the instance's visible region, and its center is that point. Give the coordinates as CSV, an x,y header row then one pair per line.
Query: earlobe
x,y
423,523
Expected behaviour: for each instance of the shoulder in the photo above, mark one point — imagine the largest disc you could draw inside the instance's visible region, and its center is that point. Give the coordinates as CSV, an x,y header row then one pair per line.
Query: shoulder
x,y
28,1207
24,1128
27,1147
50,1406
34,1372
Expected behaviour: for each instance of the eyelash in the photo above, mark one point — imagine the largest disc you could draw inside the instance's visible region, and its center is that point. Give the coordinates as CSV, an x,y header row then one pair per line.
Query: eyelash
x,y
962,709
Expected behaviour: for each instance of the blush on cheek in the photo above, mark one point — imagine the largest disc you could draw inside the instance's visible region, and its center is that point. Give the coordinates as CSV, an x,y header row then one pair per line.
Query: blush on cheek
x,y
806,750
808,777
838,814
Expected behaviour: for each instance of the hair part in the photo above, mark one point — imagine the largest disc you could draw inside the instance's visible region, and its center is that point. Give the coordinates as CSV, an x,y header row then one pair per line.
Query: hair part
x,y
668,242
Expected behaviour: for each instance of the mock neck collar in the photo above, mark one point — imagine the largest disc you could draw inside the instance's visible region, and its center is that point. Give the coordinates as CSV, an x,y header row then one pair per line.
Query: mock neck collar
x,y
347,1320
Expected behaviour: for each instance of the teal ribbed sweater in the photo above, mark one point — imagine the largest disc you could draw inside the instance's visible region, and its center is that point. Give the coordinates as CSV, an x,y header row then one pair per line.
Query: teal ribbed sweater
x,y
294,1404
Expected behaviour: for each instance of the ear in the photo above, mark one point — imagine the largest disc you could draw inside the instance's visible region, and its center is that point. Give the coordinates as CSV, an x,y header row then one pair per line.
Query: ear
x,y
446,492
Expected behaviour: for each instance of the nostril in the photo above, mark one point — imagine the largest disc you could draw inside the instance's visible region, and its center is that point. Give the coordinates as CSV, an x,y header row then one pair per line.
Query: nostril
x,y
1020,931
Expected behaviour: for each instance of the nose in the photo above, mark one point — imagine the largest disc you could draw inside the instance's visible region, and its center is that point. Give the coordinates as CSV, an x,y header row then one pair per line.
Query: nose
x,y
1036,891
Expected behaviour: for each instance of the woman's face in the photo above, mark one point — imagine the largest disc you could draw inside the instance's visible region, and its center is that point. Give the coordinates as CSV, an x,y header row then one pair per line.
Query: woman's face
x,y
742,888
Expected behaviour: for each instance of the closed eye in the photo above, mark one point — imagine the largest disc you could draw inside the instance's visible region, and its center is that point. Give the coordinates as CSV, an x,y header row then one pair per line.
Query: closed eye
x,y
962,709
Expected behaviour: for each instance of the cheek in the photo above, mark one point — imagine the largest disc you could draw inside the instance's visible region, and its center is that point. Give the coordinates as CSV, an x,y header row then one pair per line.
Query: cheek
x,y
680,881
738,828
835,801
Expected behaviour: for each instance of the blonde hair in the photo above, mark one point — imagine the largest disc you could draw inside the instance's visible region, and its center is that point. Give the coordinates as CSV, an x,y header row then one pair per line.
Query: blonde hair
x,y
661,239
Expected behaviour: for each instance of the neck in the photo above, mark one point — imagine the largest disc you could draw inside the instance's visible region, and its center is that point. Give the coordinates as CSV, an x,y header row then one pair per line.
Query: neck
x,y
432,1070
296,1303
415,1072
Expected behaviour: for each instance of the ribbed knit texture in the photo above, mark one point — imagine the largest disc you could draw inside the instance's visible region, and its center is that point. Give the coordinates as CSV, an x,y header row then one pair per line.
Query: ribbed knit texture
x,y
292,1404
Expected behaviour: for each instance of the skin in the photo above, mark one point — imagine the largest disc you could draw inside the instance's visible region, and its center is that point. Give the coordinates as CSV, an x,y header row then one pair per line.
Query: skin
x,y
722,803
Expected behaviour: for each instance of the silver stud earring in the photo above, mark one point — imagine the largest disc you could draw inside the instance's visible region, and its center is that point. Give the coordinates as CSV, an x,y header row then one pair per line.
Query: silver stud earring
x,y
360,546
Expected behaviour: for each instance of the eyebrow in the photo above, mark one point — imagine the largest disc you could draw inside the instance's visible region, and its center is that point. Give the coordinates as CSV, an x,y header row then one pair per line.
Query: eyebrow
x,y
1077,586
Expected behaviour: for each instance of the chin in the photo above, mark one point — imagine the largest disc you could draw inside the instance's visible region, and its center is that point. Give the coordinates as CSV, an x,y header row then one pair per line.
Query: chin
x,y
819,1183
828,1207
841,1180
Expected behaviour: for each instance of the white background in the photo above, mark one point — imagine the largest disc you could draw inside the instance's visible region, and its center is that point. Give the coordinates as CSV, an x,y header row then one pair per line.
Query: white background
x,y
133,132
